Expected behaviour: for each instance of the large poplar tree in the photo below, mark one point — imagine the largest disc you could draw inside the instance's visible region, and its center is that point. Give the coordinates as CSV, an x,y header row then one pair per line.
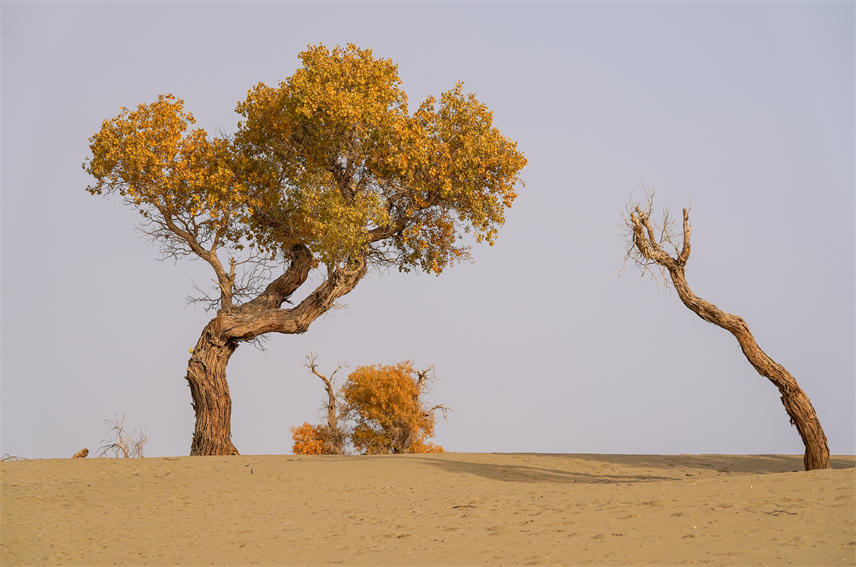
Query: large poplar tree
x,y
327,170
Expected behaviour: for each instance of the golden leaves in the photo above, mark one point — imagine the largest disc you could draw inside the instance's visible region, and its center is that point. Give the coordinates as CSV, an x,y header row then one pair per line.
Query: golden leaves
x,y
339,130
385,412
330,159
308,439
390,416
152,158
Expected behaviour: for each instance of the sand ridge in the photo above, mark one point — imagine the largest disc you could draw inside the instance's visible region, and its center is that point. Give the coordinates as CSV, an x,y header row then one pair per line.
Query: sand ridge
x,y
450,509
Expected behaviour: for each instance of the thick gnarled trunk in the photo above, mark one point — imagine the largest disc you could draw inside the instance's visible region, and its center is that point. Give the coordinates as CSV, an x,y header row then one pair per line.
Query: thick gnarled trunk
x,y
206,370
206,375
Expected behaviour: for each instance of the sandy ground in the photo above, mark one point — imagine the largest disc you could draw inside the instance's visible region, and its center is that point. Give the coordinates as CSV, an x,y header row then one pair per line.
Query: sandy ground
x,y
452,509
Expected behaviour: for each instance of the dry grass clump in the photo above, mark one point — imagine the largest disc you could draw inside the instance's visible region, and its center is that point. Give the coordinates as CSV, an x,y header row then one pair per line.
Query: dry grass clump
x,y
119,442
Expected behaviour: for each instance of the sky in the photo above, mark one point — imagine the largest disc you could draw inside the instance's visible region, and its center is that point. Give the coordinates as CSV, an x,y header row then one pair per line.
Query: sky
x,y
742,111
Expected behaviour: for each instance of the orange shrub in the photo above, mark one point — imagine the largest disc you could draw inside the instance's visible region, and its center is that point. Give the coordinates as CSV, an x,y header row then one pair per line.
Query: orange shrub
x,y
308,439
385,405
423,447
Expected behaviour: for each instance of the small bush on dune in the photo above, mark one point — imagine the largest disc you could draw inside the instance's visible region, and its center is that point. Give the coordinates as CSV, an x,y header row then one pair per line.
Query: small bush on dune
x,y
119,442
385,403
314,440
308,439
383,412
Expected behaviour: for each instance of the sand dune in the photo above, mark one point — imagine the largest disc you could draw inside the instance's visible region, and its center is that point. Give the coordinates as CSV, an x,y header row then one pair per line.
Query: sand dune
x,y
452,509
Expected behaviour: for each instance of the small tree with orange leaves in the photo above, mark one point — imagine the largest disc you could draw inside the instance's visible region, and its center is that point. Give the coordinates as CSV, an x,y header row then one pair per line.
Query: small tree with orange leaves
x,y
382,411
385,403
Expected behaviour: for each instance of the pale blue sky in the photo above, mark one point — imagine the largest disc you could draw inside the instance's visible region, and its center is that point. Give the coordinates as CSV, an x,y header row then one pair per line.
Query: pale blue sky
x,y
742,110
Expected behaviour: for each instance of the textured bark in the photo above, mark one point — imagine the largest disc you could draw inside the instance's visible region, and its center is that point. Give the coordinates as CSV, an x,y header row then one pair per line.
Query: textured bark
x,y
796,402
206,370
206,375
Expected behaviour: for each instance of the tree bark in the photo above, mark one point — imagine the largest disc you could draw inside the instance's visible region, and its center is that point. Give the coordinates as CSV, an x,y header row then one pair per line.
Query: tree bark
x,y
796,402
206,375
206,370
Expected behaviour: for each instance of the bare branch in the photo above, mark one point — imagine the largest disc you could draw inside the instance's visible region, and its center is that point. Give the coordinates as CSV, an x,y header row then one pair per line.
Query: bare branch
x,y
685,249
439,407
119,442
202,297
335,435
312,364
249,276
645,239
422,376
189,235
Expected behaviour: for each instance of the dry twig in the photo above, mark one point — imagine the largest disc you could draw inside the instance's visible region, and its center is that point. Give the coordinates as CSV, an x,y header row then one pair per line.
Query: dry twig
x,y
120,443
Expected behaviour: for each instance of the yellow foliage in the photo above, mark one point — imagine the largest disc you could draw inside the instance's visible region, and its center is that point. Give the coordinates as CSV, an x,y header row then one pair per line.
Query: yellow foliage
x,y
167,170
316,440
308,439
330,159
425,447
390,417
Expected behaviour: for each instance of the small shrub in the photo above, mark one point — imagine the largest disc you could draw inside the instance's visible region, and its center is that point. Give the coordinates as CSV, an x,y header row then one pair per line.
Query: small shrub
x,y
308,439
386,406
378,410
121,443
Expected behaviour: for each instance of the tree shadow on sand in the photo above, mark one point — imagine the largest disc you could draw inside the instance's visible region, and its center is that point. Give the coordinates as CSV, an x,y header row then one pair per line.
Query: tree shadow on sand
x,y
619,468
527,473
751,464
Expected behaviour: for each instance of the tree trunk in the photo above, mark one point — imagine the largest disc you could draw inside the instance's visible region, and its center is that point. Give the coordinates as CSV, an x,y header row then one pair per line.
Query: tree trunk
x,y
206,370
206,375
796,402
805,419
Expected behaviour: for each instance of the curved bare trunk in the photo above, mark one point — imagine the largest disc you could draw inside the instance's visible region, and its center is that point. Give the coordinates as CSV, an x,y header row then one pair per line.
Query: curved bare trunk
x,y
796,402
206,375
335,436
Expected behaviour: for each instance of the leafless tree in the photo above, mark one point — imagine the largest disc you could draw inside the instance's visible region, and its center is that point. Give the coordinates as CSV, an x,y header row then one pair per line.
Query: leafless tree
x,y
335,434
647,242
119,442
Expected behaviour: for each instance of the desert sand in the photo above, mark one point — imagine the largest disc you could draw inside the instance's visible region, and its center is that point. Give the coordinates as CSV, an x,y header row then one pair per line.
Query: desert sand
x,y
451,509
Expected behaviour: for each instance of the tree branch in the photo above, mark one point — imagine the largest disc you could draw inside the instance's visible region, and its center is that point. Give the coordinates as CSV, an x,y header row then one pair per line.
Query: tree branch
x,y
422,376
332,406
282,287
224,280
649,249
685,248
312,364
251,320
441,407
